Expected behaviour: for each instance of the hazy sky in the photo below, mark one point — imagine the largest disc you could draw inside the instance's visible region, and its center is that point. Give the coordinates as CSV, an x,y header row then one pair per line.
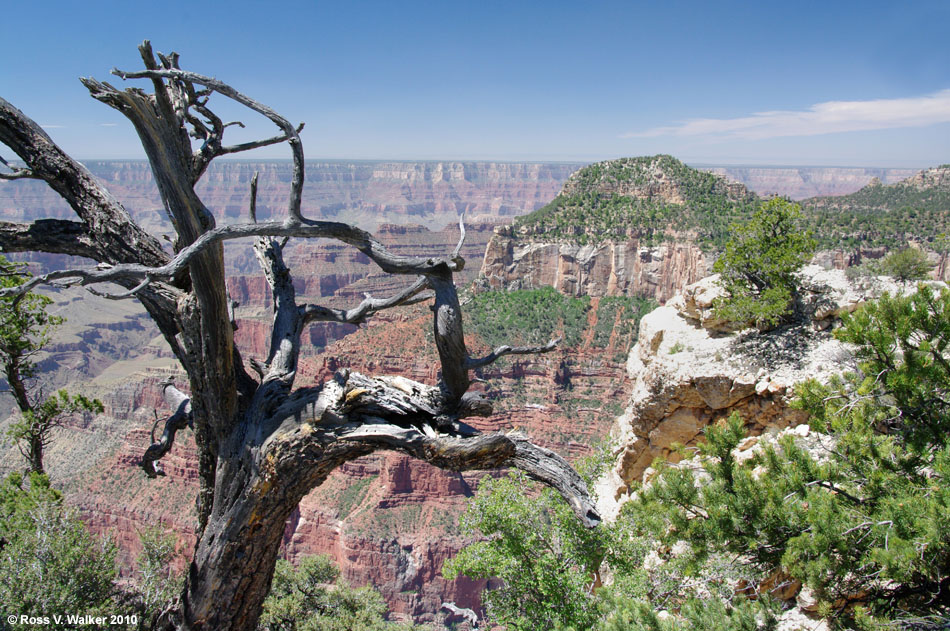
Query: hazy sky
x,y
826,83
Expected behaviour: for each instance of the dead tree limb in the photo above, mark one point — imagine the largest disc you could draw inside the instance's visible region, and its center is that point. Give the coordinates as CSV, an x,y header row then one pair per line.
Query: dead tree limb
x,y
178,401
262,444
504,349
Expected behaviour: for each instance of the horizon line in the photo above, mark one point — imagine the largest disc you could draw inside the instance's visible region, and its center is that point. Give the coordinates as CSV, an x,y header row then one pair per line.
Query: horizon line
x,y
697,163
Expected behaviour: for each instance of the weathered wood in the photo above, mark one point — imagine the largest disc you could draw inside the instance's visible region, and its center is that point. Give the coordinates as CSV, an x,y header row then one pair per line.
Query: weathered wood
x,y
504,349
179,420
262,444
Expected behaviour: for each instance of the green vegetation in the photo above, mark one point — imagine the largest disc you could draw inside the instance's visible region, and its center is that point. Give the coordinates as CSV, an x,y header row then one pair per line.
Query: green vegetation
x,y
857,515
907,264
33,431
157,584
883,215
904,265
49,563
312,597
25,329
652,197
527,317
758,265
551,570
353,495
618,317
546,559
646,197
535,316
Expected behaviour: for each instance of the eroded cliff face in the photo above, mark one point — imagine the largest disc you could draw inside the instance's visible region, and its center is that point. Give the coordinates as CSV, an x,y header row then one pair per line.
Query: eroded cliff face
x,y
364,192
390,521
688,371
628,268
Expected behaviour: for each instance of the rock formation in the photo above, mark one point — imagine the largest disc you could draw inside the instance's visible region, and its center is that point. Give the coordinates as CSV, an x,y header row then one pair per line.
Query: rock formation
x,y
625,268
688,371
386,520
364,192
651,226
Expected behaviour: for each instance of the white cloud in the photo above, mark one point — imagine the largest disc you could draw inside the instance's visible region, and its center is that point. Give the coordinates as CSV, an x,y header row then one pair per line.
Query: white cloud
x,y
108,124
822,118
53,126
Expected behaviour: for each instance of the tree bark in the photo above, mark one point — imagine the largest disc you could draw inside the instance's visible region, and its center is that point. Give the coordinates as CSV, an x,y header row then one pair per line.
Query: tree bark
x,y
262,444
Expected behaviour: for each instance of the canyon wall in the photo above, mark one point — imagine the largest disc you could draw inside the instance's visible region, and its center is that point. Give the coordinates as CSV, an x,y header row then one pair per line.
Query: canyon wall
x,y
626,268
386,519
365,192
374,192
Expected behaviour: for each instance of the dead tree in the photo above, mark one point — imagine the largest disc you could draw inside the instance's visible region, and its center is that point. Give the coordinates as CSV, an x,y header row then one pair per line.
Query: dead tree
x,y
263,444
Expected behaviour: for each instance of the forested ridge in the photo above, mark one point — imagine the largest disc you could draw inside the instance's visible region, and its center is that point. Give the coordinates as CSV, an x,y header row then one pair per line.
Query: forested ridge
x,y
659,198
916,209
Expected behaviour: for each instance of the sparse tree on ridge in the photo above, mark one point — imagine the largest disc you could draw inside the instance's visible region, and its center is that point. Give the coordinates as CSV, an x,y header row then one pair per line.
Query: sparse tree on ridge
x,y
25,328
757,268
262,443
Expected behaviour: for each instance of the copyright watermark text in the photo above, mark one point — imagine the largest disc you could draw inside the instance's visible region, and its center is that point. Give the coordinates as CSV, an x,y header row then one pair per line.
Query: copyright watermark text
x,y
74,620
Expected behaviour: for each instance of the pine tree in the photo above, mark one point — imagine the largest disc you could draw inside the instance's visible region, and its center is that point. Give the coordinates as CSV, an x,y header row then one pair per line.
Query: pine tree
x,y
25,329
757,268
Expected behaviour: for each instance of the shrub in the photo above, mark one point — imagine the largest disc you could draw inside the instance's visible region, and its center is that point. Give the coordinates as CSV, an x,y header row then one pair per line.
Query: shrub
x,y
311,597
49,563
907,264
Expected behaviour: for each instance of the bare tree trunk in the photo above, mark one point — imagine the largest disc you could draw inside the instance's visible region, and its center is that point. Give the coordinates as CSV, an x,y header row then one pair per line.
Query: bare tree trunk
x,y
262,444
34,442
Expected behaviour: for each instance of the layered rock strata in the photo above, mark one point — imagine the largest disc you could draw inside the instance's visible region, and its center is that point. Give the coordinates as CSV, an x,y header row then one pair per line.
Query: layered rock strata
x,y
364,192
627,268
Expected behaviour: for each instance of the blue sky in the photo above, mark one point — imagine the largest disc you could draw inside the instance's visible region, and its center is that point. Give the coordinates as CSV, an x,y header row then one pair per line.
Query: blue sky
x,y
822,83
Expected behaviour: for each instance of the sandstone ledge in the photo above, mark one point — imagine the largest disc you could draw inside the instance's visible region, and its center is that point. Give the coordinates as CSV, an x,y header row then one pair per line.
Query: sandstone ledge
x,y
689,371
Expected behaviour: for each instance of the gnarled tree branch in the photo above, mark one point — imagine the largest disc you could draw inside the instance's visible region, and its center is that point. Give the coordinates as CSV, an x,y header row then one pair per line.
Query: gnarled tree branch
x,y
369,306
261,446
180,419
289,131
16,173
379,413
58,236
256,144
358,238
503,350
118,238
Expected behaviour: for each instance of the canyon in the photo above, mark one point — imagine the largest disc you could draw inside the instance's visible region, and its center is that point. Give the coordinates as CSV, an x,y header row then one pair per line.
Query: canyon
x,y
386,520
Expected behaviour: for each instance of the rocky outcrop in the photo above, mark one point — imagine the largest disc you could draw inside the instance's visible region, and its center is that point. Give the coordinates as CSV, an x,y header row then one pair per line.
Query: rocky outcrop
x,y
688,371
567,399
602,234
627,268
